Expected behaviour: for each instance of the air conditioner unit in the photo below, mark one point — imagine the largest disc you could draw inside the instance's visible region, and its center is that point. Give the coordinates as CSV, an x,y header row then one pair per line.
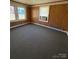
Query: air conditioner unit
x,y
44,18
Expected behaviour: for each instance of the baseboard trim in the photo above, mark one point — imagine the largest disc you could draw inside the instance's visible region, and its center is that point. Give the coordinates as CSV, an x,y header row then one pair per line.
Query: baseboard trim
x,y
18,25
51,28
40,25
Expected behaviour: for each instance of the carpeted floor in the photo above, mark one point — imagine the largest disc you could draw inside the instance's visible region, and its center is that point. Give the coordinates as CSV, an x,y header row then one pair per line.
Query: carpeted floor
x,y
36,42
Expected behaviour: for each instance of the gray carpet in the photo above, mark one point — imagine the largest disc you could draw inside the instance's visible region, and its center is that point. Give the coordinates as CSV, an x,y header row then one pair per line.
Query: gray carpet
x,y
36,42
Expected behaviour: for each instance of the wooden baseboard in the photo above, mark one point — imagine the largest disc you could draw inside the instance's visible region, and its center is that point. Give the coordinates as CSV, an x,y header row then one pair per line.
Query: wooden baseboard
x,y
40,25
52,28
18,25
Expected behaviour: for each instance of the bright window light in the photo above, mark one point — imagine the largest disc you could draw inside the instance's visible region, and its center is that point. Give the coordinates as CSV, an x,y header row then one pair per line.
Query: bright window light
x,y
12,13
21,13
44,12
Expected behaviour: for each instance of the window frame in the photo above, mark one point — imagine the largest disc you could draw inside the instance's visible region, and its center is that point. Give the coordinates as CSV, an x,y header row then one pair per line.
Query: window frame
x,y
47,16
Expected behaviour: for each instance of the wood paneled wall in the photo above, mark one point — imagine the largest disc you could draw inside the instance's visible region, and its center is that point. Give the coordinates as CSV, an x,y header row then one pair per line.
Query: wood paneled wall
x,y
58,16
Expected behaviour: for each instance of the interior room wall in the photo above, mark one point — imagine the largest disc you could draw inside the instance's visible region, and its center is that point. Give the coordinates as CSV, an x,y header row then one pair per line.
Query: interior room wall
x,y
58,16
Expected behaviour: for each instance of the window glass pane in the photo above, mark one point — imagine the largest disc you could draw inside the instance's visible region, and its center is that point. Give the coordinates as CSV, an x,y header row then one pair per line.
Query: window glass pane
x,y
12,13
21,13
44,11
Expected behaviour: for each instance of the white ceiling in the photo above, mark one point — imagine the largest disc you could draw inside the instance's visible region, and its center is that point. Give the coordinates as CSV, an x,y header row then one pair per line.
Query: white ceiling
x,y
32,2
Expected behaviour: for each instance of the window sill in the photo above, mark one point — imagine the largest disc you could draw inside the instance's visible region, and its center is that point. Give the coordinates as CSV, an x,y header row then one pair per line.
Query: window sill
x,y
43,20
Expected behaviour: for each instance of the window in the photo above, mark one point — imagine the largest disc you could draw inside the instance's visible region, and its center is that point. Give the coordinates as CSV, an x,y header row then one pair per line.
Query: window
x,y
17,12
21,13
12,13
44,12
